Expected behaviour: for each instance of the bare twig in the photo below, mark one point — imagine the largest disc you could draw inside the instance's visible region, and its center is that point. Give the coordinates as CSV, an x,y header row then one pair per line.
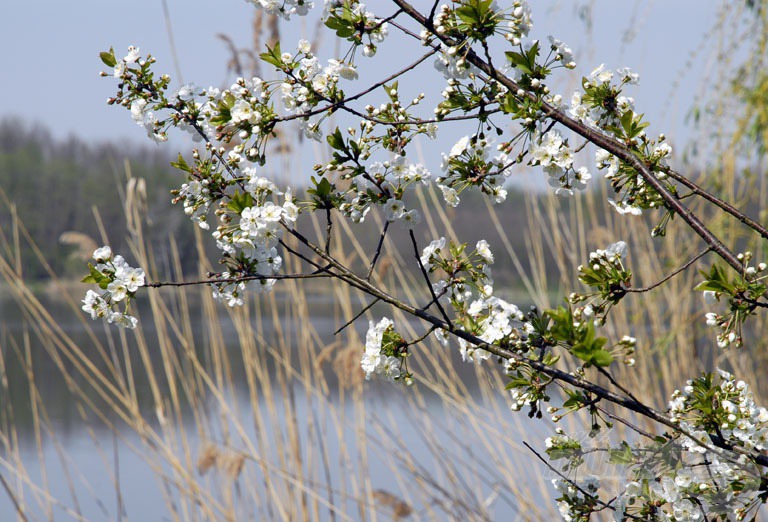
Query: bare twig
x,y
673,274
722,205
378,251
357,316
426,278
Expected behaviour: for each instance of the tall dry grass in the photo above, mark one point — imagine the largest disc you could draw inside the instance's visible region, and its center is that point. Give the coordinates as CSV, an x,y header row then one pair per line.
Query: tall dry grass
x,y
253,413
260,412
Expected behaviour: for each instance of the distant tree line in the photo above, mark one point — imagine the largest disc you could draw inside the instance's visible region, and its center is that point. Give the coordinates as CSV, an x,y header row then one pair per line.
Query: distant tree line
x,y
57,186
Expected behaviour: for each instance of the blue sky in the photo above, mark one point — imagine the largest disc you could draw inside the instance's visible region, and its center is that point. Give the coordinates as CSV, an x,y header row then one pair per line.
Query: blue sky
x,y
50,61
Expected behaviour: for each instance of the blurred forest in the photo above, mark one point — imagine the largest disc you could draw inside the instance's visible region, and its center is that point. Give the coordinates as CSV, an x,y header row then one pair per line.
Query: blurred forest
x,y
67,193
54,188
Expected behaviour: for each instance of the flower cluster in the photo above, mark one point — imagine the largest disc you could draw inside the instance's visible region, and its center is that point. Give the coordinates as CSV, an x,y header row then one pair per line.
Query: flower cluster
x,y
307,81
563,53
727,408
576,504
284,8
678,478
119,283
607,274
551,152
471,162
741,293
385,352
352,21
251,225
519,23
467,286
142,90
481,20
379,183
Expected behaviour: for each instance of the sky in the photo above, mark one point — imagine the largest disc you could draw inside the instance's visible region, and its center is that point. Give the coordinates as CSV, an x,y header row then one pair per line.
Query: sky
x,y
50,61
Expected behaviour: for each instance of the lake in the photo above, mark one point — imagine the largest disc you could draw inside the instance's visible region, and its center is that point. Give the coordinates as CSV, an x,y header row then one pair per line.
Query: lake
x,y
205,413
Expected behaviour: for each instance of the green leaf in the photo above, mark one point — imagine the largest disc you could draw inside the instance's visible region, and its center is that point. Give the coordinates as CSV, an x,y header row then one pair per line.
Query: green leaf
x,y
239,202
601,358
467,14
575,400
96,277
181,164
626,121
108,57
273,56
583,351
344,28
336,140
519,61
621,455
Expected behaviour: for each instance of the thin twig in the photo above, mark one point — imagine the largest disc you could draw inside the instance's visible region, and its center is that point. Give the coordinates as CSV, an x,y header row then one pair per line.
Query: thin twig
x,y
626,423
340,104
722,205
357,316
426,278
584,492
257,277
378,251
328,229
419,339
673,274
616,383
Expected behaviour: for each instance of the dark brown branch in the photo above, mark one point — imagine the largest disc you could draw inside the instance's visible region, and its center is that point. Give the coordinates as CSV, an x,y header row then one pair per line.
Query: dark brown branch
x,y
555,374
